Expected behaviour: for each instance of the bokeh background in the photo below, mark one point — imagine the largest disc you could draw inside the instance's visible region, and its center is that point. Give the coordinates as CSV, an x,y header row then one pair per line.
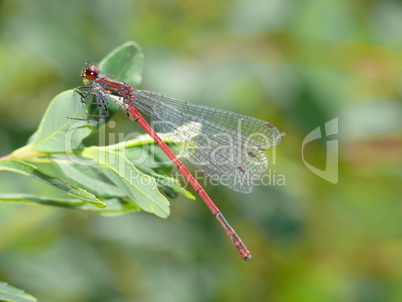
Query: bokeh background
x,y
297,64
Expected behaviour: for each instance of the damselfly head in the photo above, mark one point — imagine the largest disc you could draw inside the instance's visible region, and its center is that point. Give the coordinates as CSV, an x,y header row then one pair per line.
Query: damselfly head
x,y
90,73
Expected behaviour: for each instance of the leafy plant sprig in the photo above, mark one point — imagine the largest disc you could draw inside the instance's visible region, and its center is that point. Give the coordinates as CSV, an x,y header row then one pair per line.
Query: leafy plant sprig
x,y
9,293
104,179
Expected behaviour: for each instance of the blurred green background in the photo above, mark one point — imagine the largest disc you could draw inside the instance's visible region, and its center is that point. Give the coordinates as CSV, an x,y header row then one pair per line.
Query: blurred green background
x,y
297,64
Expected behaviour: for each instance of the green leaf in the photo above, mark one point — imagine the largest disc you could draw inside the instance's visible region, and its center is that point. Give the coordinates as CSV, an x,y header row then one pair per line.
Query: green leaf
x,y
9,293
57,133
157,165
38,199
114,206
171,186
139,187
32,171
90,178
156,161
124,63
87,176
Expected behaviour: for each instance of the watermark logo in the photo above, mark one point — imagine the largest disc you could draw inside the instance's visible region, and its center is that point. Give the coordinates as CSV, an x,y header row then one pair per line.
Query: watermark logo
x,y
331,164
236,157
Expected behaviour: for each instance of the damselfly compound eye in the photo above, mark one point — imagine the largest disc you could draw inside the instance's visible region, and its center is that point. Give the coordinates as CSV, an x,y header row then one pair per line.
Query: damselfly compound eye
x,y
91,73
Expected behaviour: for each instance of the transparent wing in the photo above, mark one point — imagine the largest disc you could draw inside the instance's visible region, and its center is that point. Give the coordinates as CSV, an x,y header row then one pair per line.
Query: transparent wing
x,y
229,147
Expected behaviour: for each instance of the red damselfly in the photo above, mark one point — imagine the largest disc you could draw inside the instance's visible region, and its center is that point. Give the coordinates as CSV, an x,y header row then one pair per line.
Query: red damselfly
x,y
229,147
